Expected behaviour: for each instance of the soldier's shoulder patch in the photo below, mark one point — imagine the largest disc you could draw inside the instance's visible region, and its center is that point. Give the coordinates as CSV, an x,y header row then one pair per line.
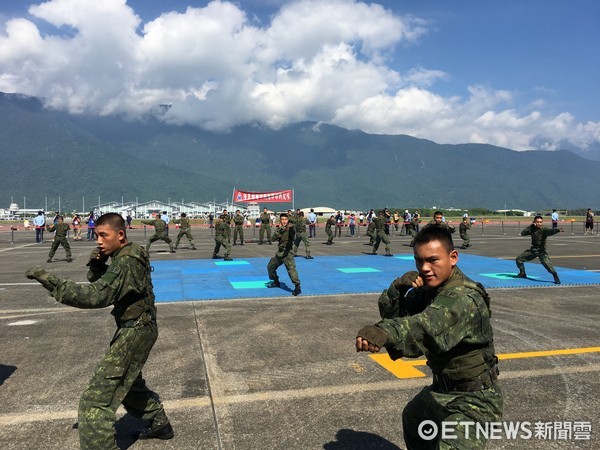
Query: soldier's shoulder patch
x,y
112,273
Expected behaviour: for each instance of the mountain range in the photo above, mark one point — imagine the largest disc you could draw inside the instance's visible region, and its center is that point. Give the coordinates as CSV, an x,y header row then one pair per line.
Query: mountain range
x,y
48,154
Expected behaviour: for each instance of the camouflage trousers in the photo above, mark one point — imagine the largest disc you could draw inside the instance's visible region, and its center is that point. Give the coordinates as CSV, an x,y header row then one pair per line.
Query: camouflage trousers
x,y
301,237
238,230
60,241
371,235
381,236
162,237
188,234
221,240
466,239
329,234
261,232
479,406
290,266
531,254
118,380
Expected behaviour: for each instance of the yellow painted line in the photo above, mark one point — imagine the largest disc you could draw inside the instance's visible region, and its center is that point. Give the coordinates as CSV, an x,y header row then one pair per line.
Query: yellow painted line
x,y
407,369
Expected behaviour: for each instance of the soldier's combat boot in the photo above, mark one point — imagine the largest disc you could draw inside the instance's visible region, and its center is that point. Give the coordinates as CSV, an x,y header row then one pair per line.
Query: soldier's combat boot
x,y
388,254
69,259
297,290
194,248
274,284
49,260
308,256
215,256
556,279
522,274
227,258
163,432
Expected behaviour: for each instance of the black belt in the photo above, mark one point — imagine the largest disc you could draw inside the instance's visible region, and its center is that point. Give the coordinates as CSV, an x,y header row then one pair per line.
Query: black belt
x,y
483,381
144,318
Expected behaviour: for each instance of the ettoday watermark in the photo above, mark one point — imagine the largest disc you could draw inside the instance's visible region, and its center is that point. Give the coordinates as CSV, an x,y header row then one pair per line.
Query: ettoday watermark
x,y
551,431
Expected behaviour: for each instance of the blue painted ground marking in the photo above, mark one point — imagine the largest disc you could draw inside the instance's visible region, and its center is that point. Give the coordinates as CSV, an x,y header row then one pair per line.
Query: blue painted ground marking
x,y
206,279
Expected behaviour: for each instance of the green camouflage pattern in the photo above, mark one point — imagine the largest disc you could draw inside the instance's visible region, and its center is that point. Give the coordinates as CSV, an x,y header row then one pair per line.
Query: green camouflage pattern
x,y
449,227
265,226
538,247
330,223
238,230
301,235
380,235
450,326
371,232
463,229
222,238
185,229
126,284
60,238
285,237
160,232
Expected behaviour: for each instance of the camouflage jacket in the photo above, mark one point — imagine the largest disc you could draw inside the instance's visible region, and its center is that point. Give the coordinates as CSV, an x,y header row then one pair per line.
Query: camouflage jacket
x,y
158,224
300,224
379,224
464,226
222,229
330,223
126,284
285,236
238,219
450,325
265,218
538,236
184,223
60,228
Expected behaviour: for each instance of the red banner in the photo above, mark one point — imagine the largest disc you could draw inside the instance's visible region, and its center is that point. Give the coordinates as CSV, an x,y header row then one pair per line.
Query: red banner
x,y
263,197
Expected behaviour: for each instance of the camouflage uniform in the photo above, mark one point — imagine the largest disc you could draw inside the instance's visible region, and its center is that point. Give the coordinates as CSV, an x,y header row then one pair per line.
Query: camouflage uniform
x,y
222,237
127,285
300,224
285,236
463,228
380,235
450,325
538,248
238,220
159,233
265,225
330,223
60,238
371,232
413,226
185,229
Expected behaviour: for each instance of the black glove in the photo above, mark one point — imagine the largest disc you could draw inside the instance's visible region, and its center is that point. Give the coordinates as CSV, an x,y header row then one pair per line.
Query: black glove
x,y
97,262
373,334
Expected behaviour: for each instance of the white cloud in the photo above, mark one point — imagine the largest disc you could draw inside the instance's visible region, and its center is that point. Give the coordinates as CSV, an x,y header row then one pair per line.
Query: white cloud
x,y
323,60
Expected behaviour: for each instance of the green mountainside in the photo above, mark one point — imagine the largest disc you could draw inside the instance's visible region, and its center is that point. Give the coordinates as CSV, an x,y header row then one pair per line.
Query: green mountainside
x,y
51,154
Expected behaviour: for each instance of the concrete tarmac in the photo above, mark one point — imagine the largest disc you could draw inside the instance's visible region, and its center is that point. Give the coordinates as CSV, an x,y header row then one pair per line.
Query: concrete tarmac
x,y
282,373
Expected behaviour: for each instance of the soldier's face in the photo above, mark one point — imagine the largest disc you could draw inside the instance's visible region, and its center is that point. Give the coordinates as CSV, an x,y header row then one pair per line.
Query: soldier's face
x,y
538,223
434,263
109,240
283,221
438,219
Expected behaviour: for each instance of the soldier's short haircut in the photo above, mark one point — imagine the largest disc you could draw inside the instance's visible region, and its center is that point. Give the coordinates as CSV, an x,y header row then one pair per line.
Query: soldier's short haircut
x,y
538,217
183,215
432,233
113,220
438,213
284,215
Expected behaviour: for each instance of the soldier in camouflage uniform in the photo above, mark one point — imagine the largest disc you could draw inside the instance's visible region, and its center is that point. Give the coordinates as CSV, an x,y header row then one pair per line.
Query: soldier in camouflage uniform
x,y
438,220
330,223
159,233
440,313
463,229
380,234
60,238
538,247
125,284
222,237
265,225
285,234
413,226
238,220
185,229
371,232
300,223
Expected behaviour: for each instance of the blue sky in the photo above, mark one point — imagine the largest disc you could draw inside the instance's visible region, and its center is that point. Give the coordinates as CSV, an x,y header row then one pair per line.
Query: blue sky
x,y
519,74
